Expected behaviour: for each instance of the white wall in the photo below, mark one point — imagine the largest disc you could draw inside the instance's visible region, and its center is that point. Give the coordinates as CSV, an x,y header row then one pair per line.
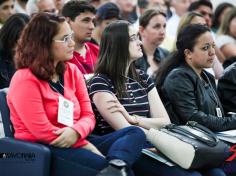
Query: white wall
x,y
216,2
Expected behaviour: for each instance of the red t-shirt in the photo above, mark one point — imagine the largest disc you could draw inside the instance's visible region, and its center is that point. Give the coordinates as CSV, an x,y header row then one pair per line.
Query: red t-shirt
x,y
86,65
34,106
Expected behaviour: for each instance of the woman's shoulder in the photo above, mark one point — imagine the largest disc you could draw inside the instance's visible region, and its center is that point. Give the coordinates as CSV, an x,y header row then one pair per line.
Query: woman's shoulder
x,y
182,73
24,73
100,77
23,77
98,83
181,70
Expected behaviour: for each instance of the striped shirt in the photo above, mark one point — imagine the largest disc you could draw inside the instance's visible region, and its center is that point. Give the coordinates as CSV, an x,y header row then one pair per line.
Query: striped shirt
x,y
135,101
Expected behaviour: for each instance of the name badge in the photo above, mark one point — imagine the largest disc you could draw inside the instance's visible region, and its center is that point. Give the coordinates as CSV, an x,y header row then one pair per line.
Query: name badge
x,y
65,111
218,112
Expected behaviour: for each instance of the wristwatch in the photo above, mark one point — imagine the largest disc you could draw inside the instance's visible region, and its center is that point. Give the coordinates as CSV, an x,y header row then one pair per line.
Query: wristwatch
x,y
117,163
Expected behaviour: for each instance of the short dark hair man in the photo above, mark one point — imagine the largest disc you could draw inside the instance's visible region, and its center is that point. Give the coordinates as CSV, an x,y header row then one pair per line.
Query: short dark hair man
x,y
81,17
205,8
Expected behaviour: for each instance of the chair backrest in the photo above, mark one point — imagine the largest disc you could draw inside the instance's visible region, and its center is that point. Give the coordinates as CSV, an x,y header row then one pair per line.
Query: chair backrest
x,y
5,114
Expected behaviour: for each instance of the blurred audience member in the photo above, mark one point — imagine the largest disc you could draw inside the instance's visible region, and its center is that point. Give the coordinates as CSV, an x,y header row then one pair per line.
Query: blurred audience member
x,y
142,5
9,34
227,87
128,10
105,14
6,10
180,8
20,6
96,3
152,32
36,6
59,4
205,8
226,36
159,4
219,14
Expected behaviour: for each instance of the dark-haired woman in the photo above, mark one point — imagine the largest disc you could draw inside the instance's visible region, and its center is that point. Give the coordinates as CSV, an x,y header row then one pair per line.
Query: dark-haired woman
x,y
49,103
152,31
188,91
9,34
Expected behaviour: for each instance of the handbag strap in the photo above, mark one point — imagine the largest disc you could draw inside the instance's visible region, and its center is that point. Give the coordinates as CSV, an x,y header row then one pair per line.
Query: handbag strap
x,y
203,128
211,141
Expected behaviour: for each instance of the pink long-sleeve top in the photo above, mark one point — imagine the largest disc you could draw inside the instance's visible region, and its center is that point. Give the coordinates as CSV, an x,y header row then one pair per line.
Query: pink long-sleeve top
x,y
34,106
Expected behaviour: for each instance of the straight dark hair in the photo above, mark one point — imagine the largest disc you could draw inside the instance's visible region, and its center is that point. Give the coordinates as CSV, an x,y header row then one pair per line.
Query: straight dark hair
x,y
186,39
10,33
114,57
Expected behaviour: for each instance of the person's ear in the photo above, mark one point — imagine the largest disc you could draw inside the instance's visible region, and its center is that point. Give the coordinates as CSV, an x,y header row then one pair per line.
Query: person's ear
x,y
68,20
141,30
188,54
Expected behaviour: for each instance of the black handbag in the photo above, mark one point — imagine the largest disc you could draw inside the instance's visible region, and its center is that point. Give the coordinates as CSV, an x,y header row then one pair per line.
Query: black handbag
x,y
190,146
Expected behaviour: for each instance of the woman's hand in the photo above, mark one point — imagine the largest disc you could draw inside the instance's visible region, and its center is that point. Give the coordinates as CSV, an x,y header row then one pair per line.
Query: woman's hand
x,y
115,106
66,137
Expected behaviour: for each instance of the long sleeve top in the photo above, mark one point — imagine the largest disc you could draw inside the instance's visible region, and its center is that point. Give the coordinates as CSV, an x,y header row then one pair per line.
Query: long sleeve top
x,y
189,98
34,106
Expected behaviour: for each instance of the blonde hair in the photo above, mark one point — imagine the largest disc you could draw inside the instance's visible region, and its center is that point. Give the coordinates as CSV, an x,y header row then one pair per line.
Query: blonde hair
x,y
224,27
186,19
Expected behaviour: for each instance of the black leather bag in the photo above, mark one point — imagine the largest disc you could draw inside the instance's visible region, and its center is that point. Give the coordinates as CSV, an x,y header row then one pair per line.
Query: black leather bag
x,y
190,146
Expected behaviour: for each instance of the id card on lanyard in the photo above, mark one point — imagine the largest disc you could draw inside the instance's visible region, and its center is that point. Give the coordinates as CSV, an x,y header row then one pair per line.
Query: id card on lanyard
x,y
65,111
218,112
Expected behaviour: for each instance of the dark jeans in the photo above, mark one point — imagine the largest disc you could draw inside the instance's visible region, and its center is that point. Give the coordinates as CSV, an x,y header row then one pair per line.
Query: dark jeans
x,y
230,168
125,144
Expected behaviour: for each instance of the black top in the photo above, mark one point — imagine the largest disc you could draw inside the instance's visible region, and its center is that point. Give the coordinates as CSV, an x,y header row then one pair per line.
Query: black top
x,y
189,98
7,70
227,89
58,86
159,55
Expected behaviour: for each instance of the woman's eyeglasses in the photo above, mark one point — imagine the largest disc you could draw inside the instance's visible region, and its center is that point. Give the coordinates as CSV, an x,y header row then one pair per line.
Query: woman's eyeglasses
x,y
134,37
66,39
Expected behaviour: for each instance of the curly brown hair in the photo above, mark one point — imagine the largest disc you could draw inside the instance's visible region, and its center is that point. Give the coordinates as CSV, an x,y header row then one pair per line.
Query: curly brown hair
x,y
33,49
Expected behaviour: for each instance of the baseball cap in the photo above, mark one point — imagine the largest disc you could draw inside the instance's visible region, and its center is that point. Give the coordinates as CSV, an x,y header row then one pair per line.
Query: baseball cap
x,y
107,11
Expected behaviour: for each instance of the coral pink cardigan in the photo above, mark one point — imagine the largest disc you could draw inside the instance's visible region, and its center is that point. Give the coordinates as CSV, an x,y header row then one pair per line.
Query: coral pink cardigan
x,y
34,106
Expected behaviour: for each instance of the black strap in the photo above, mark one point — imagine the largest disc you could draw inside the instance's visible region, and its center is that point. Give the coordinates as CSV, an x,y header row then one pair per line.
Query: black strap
x,y
211,140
